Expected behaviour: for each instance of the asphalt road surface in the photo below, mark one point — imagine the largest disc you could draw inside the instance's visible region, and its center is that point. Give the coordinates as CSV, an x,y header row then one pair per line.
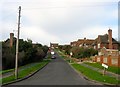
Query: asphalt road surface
x,y
57,72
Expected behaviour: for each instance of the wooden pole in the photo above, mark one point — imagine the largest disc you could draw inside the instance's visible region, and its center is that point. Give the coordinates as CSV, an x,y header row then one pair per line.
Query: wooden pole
x,y
104,71
17,46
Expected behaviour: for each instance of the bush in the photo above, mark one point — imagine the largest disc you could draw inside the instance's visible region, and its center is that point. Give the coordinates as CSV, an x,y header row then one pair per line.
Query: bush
x,y
77,52
83,52
27,53
8,58
66,48
21,58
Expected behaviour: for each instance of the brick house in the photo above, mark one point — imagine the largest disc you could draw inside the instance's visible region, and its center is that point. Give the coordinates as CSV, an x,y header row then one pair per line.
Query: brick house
x,y
106,41
107,50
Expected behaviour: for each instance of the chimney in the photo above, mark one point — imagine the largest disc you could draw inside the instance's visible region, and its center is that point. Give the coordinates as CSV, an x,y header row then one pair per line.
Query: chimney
x,y
11,39
84,43
110,38
84,39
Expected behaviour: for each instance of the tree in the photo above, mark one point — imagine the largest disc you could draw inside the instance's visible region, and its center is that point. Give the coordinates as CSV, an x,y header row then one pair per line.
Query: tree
x,y
27,53
67,49
60,47
29,40
83,52
45,48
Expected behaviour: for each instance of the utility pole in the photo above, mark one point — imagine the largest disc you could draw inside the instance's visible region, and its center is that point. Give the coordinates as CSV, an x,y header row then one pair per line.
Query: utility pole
x,y
17,45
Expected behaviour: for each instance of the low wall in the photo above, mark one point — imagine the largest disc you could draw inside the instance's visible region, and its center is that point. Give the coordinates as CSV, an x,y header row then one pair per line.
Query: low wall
x,y
109,60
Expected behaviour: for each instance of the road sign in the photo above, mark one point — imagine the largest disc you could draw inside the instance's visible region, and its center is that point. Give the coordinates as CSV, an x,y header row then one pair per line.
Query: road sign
x,y
104,65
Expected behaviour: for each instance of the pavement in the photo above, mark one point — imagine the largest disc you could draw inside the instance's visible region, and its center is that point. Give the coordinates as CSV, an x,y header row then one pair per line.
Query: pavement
x,y
57,72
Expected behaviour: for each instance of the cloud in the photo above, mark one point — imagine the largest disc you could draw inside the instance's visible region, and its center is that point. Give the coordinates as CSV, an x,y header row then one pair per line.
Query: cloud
x,y
37,35
60,21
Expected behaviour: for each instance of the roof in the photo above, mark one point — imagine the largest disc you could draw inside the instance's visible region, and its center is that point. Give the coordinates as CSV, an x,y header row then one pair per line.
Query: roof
x,y
86,41
104,39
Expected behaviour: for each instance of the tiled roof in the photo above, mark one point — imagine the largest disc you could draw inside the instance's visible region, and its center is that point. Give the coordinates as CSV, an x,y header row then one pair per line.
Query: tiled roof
x,y
104,39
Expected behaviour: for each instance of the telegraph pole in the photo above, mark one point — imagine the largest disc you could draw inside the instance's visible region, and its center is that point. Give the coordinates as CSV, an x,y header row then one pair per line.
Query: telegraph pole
x,y
17,45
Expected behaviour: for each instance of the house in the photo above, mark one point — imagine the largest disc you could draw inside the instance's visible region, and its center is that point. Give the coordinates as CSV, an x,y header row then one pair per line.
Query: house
x,y
86,43
106,41
108,52
54,45
74,43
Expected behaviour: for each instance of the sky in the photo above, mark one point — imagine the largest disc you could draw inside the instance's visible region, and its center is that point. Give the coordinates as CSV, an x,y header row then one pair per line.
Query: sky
x,y
59,21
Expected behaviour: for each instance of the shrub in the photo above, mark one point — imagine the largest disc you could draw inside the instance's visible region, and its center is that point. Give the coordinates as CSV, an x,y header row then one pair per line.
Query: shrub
x,y
83,52
66,48
27,53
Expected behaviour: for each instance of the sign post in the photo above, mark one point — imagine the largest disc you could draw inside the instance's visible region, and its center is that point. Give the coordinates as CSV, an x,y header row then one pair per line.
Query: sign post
x,y
105,67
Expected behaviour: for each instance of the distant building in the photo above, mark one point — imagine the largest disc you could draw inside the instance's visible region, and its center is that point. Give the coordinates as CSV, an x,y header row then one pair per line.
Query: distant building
x,y
54,45
86,43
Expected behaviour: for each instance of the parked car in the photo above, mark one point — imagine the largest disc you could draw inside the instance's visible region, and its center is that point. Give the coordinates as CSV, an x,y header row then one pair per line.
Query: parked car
x,y
53,57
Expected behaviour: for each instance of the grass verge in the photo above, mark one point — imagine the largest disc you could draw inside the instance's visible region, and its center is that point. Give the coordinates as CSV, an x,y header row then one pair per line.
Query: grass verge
x,y
94,75
25,72
110,68
12,70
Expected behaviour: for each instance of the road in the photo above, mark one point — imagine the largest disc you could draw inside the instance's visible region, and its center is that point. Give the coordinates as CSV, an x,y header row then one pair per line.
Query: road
x,y
57,72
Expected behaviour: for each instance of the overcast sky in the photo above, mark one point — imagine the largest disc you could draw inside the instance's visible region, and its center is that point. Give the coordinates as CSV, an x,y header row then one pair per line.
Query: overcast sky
x,y
60,21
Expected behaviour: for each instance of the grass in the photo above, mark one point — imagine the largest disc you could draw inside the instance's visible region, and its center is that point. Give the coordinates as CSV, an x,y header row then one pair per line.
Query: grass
x,y
25,72
94,75
110,68
11,70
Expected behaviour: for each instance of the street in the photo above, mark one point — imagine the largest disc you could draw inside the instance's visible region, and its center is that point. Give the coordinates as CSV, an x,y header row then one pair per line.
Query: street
x,y
57,72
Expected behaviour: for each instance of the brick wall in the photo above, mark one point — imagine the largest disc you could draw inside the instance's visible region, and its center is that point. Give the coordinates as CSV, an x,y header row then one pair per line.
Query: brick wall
x,y
109,60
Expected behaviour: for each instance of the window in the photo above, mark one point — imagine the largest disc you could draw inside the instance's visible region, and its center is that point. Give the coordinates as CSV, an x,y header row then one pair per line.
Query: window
x,y
98,45
94,47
